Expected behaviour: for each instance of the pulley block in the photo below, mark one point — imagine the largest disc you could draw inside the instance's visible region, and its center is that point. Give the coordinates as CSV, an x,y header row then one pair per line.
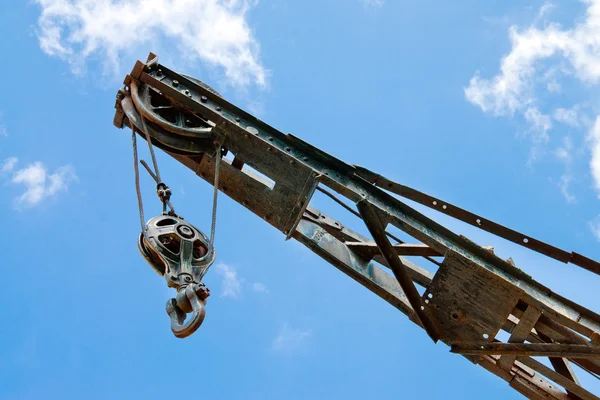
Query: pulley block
x,y
182,254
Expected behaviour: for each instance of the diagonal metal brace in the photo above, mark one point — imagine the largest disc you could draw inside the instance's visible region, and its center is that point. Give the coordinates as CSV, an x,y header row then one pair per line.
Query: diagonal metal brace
x,y
377,230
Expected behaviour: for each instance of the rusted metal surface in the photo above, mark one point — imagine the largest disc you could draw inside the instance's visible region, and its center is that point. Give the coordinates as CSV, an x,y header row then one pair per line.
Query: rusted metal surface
x,y
370,249
521,333
471,293
563,367
568,384
528,349
469,302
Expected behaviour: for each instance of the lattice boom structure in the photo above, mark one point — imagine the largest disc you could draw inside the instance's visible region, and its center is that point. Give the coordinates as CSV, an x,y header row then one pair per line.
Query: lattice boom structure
x,y
473,295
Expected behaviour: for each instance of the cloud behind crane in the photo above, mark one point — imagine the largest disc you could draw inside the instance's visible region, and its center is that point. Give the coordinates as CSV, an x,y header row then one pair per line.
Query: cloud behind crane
x,y
215,32
39,183
548,66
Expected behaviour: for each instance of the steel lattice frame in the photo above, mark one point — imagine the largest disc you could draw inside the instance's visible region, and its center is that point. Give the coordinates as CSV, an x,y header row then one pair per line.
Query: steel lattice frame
x,y
473,295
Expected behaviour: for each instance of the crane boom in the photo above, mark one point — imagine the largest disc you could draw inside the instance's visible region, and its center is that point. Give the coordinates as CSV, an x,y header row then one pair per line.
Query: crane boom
x,y
471,297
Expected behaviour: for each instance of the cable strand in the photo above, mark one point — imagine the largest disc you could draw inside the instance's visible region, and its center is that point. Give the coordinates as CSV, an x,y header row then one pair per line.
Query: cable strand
x,y
151,148
137,179
215,194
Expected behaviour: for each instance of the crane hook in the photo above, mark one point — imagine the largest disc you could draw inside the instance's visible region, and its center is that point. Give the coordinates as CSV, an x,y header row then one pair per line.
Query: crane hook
x,y
191,299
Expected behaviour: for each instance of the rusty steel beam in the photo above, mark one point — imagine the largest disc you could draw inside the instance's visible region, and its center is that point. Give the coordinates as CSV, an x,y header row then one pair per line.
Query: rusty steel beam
x,y
544,334
480,222
369,249
521,333
528,349
562,366
570,385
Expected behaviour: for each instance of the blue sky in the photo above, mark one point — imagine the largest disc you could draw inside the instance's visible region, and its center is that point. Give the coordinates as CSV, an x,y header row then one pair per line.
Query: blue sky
x,y
490,106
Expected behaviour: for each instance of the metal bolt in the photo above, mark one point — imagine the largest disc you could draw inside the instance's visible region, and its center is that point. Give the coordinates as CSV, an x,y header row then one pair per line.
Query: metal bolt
x,y
185,231
203,99
187,93
237,120
175,83
159,72
218,108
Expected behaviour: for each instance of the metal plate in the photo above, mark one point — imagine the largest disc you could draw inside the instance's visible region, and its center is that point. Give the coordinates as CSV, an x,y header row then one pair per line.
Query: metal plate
x,y
468,301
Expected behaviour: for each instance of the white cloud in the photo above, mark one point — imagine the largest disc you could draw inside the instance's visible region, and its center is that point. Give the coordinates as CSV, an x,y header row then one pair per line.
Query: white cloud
x,y
231,285
513,88
551,80
595,227
8,165
3,131
564,154
213,31
594,139
373,3
539,56
39,184
563,185
259,287
568,116
540,125
289,340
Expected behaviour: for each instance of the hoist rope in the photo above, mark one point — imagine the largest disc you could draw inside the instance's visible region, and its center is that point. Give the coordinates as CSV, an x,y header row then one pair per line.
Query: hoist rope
x,y
215,193
166,202
137,180
151,148
156,176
